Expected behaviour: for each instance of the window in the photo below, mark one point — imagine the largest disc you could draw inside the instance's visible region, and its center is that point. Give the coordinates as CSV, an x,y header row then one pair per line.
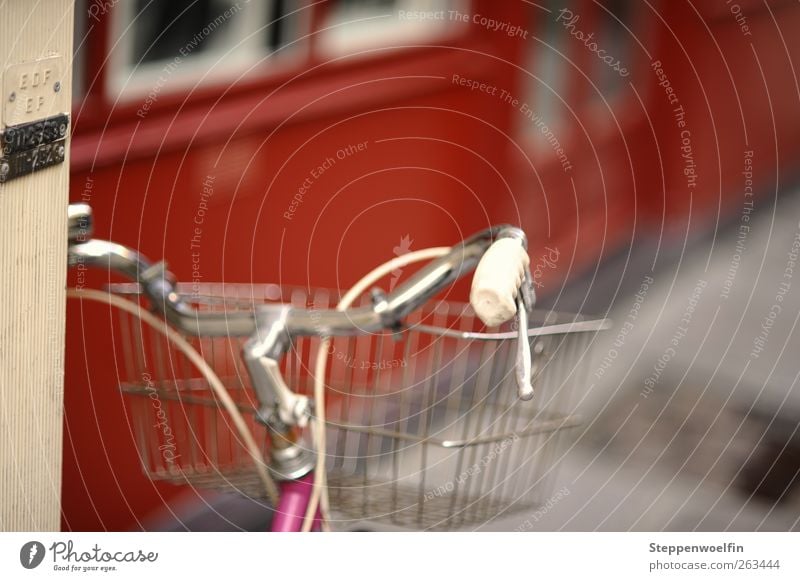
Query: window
x,y
169,46
358,25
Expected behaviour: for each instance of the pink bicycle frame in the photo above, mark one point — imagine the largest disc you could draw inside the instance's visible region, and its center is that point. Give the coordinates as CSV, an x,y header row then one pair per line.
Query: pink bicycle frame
x,y
291,509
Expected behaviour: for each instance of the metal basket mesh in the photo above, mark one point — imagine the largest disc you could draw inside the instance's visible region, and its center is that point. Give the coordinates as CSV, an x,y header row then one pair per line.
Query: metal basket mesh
x,y
425,431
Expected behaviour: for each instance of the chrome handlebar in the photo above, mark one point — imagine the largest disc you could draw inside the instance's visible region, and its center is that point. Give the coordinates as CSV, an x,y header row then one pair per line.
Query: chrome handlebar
x,y
272,328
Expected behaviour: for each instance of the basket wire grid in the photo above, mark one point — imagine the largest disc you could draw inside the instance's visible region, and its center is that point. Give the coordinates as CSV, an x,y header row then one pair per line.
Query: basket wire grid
x,y
425,430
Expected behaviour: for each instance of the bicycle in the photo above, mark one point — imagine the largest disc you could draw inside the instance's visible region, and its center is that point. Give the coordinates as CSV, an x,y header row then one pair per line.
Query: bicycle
x,y
427,432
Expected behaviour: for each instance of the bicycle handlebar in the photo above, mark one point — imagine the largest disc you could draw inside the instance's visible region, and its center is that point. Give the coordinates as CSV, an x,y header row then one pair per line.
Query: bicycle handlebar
x,y
271,328
159,286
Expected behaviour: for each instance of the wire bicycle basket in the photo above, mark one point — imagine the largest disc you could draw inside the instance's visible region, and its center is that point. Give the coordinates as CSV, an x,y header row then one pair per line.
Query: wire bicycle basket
x,y
425,430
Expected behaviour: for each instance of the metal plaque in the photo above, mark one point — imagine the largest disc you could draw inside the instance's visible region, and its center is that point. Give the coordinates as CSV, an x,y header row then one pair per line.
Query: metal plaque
x,y
29,135
33,91
26,162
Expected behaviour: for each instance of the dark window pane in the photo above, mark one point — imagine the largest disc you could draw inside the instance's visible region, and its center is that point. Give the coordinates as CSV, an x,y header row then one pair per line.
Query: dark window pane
x,y
162,29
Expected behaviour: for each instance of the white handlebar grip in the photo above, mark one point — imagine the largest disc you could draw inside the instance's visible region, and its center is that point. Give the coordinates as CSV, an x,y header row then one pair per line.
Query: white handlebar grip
x,y
497,280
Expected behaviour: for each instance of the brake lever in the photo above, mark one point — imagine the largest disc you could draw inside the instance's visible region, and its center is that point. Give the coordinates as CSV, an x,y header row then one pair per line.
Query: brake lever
x,y
526,299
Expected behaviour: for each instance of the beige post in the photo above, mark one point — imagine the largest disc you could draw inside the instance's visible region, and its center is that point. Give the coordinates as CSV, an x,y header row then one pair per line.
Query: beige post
x,y
35,54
